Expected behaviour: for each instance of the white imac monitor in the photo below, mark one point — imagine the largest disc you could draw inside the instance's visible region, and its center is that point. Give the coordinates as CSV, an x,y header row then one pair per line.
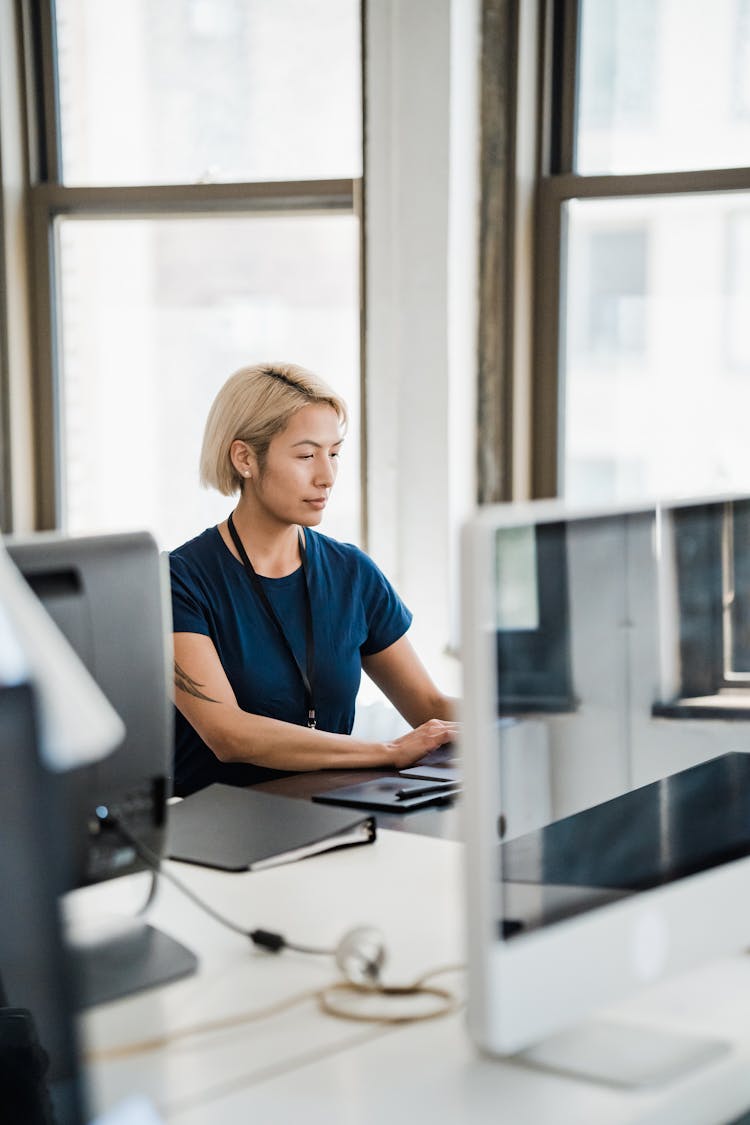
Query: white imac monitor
x,y
606,746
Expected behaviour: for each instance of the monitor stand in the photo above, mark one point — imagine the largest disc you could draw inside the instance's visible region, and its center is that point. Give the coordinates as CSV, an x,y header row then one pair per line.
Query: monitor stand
x,y
121,956
627,1055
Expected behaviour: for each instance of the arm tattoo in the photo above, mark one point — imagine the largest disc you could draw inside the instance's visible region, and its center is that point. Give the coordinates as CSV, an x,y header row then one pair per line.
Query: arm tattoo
x,y
189,685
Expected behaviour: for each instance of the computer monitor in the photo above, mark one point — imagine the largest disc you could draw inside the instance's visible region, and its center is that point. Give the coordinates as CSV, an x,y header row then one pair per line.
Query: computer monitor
x,y
108,596
39,1071
605,745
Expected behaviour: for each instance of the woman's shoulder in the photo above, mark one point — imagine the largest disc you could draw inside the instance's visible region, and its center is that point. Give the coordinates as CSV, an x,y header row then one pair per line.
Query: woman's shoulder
x,y
332,550
202,551
342,557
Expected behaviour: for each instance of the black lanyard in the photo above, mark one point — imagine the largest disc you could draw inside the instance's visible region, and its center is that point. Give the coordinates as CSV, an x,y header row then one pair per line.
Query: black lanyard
x,y
307,675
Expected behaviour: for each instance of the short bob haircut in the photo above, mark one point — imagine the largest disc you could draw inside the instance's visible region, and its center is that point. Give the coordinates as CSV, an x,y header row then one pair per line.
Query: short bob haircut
x,y
253,406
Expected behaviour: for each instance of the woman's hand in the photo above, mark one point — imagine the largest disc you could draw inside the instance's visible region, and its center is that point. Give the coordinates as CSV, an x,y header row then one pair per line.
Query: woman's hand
x,y
409,748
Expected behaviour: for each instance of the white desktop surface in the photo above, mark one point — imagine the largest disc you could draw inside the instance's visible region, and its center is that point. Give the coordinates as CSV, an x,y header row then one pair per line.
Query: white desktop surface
x,y
304,1065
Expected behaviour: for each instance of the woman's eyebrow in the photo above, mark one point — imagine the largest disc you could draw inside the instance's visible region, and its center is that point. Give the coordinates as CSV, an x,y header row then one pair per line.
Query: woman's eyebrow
x,y
317,444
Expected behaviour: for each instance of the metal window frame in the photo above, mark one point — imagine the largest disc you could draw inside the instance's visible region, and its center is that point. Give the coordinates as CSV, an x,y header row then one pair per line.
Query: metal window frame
x,y
50,199
558,184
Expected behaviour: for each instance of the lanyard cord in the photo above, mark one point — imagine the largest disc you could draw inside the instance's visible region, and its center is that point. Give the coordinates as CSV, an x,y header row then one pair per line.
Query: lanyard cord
x,y
307,675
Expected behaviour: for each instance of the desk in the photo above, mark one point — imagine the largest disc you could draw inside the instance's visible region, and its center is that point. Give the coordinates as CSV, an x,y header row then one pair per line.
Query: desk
x,y
304,1066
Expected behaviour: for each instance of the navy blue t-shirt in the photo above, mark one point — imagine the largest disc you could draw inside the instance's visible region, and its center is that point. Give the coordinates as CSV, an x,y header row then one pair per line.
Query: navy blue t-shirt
x,y
355,612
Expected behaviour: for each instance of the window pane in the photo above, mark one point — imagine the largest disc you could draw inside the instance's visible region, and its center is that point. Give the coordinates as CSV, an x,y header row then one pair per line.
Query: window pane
x,y
182,91
664,85
155,315
736,594
656,357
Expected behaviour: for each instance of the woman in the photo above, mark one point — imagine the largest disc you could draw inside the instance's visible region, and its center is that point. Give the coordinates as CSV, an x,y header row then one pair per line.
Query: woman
x,y
273,621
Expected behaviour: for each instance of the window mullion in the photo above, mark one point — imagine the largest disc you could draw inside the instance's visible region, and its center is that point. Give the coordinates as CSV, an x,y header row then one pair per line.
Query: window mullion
x,y
558,189
302,195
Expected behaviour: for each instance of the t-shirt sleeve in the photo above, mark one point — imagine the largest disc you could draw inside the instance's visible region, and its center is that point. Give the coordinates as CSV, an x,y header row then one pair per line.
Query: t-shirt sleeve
x,y
386,615
188,612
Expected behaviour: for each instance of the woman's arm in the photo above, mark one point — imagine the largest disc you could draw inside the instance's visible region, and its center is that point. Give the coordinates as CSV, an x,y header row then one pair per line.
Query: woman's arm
x,y
400,674
205,697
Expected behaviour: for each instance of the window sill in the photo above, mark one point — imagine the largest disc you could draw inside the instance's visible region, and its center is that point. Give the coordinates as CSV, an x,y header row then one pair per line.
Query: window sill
x,y
705,707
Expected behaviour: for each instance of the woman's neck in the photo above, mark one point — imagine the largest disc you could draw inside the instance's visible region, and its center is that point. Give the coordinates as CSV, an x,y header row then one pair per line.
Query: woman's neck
x,y
272,547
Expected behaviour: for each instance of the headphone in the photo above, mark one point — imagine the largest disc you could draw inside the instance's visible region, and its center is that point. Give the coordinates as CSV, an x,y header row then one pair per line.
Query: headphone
x,y
361,954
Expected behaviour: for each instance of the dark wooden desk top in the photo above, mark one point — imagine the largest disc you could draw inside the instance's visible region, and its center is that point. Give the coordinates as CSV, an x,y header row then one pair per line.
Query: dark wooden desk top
x,y
441,821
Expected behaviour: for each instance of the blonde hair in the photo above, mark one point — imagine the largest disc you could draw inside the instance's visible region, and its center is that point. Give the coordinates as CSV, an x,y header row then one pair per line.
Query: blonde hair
x,y
253,406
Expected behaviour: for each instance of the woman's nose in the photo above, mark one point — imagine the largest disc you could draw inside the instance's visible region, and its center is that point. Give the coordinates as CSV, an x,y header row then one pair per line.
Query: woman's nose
x,y
324,475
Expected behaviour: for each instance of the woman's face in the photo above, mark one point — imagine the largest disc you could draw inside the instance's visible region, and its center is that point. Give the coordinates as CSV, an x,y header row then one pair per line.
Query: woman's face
x,y
301,466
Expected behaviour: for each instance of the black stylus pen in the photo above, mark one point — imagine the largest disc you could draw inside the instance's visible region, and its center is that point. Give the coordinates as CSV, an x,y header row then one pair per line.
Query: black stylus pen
x,y
436,787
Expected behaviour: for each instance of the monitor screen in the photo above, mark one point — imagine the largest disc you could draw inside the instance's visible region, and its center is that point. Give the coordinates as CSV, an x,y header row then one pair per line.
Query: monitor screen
x,y
106,595
606,739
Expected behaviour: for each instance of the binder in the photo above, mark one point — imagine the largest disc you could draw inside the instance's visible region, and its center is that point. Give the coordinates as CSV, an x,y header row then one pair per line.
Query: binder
x,y
243,830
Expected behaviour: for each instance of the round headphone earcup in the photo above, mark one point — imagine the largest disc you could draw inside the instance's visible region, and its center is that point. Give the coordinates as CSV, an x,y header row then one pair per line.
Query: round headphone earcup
x,y
361,955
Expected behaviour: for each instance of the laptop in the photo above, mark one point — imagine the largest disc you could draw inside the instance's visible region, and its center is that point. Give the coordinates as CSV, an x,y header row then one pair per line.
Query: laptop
x,y
442,764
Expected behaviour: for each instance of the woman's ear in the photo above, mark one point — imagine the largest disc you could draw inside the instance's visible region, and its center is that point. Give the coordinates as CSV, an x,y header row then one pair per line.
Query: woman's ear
x,y
243,459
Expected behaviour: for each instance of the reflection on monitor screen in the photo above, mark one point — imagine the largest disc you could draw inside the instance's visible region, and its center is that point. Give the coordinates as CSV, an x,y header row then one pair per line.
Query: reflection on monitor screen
x,y
607,730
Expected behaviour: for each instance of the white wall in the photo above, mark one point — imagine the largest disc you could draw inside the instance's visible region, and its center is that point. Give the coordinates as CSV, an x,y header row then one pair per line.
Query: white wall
x,y
421,168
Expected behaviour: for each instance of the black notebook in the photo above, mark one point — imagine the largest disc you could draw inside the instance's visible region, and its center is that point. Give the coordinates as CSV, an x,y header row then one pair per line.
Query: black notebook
x,y
243,830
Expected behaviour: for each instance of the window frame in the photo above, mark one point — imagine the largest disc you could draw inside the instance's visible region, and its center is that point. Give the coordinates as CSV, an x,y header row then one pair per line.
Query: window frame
x,y
50,198
703,545
558,184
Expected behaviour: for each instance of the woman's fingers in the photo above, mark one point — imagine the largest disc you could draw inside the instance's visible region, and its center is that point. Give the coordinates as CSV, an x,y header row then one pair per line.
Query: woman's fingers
x,y
429,736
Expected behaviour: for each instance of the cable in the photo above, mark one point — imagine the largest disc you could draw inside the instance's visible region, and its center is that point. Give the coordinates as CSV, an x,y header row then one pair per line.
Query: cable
x,y
451,1003
355,998
152,889
349,1001
142,1046
265,939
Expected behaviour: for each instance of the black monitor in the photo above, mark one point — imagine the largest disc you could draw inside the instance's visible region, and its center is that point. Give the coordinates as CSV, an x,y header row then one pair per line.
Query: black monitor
x,y
39,1074
108,596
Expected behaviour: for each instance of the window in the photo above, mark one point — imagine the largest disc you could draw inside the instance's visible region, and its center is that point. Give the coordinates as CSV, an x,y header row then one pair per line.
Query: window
x,y
660,86
533,620
618,86
736,596
198,213
741,64
643,252
712,553
190,91
145,347
611,284
737,323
